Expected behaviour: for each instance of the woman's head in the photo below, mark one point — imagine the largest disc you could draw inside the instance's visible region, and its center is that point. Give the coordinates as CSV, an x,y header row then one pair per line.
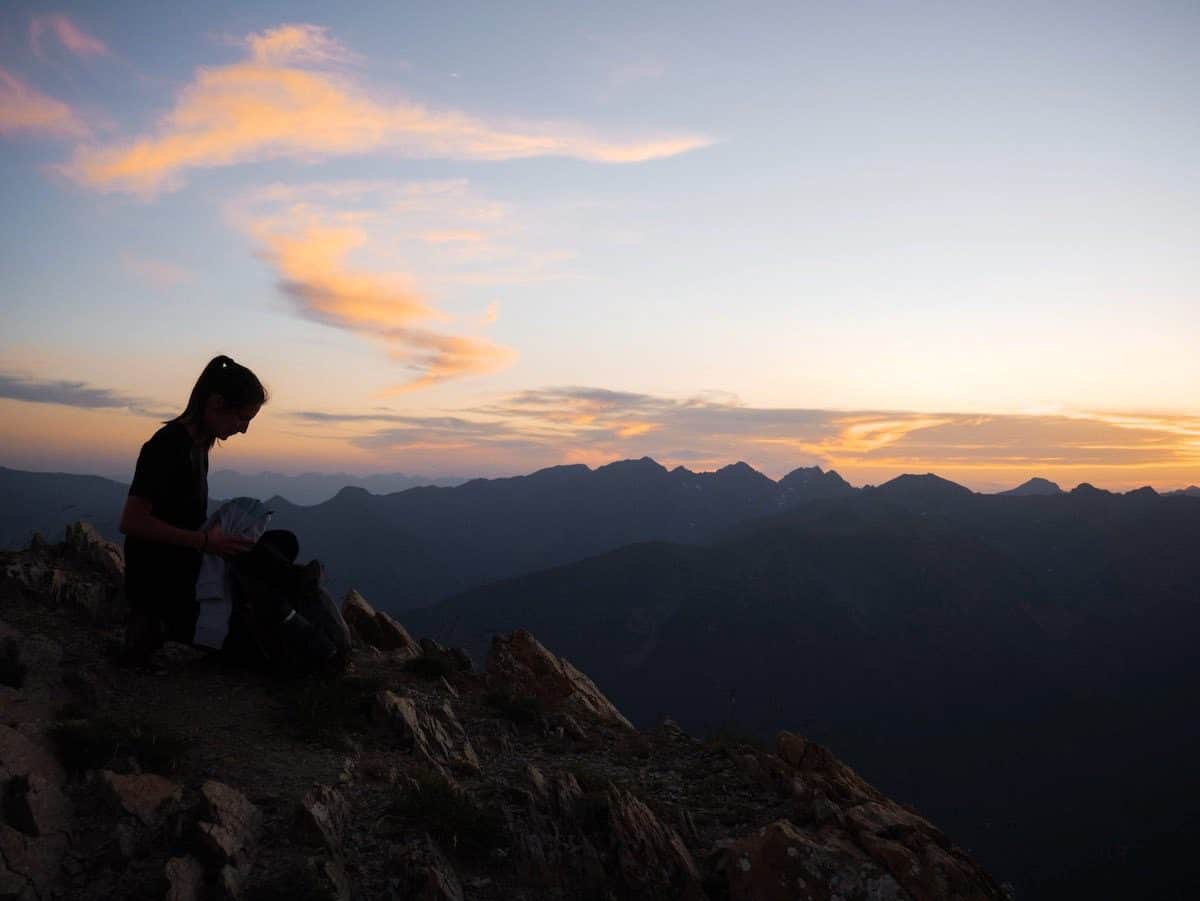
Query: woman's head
x,y
226,397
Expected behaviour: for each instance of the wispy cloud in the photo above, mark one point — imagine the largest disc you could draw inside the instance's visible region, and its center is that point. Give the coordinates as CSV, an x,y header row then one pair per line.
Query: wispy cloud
x,y
70,393
290,97
25,109
68,34
312,234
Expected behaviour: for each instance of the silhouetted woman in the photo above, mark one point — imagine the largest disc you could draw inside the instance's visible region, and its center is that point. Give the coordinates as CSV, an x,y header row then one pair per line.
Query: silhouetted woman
x,y
167,507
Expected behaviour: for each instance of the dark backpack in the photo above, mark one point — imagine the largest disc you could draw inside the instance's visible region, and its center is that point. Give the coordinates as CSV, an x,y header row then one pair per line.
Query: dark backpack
x,y
283,619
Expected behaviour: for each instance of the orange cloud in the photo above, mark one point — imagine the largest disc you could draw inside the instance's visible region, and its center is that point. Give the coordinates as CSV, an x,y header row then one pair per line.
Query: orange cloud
x,y
286,101
443,357
311,249
24,109
313,272
68,34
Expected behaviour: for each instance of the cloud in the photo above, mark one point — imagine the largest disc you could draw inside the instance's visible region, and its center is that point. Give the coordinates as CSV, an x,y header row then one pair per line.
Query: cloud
x,y
315,237
68,393
159,273
22,108
67,33
289,99
295,44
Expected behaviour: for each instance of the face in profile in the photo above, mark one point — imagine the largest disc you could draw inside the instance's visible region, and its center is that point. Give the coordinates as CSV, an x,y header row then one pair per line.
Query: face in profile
x,y
223,420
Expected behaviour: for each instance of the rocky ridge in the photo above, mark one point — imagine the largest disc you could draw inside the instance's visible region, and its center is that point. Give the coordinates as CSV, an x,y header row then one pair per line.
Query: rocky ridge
x,y
411,776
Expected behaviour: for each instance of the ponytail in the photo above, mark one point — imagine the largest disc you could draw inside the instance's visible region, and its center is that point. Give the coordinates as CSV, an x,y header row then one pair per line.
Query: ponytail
x,y
237,385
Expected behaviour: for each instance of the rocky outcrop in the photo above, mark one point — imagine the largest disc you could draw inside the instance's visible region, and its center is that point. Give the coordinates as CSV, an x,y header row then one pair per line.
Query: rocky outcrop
x,y
85,572
524,666
373,628
432,732
846,839
781,863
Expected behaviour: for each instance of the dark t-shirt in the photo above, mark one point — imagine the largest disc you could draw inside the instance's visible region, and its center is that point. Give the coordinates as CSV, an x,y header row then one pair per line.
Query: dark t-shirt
x,y
172,474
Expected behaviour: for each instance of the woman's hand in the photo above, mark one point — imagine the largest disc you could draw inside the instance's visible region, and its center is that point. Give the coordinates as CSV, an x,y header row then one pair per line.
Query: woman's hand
x,y
225,545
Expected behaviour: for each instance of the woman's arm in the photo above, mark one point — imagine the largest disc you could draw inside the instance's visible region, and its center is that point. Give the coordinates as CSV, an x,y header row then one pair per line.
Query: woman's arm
x,y
138,522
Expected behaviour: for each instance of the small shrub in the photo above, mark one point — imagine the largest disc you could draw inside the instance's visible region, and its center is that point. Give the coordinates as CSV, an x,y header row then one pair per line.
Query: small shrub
x,y
102,742
458,823
325,711
520,709
431,666
12,670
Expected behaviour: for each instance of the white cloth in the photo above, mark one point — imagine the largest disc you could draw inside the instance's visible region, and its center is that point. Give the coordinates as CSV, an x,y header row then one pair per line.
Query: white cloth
x,y
243,516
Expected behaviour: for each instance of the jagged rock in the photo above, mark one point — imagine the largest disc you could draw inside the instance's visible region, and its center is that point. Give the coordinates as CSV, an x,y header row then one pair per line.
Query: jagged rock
x,y
527,667
457,657
652,858
228,837
434,733
87,545
147,796
185,879
422,872
375,628
321,818
780,863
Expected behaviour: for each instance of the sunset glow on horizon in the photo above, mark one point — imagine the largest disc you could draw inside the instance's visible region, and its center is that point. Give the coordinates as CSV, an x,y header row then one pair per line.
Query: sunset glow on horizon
x,y
484,240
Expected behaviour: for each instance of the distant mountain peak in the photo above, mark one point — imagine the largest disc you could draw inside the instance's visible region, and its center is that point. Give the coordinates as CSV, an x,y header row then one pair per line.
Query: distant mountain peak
x,y
1034,487
810,483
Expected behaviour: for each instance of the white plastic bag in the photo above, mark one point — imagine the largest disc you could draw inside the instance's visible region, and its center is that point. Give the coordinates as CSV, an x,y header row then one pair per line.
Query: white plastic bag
x,y
243,516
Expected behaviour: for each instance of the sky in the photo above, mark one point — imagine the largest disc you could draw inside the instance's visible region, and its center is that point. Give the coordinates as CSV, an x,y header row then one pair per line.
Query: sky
x,y
465,239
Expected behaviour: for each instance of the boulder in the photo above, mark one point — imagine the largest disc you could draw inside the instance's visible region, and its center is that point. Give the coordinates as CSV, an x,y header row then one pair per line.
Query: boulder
x,y
31,783
521,662
227,837
147,796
